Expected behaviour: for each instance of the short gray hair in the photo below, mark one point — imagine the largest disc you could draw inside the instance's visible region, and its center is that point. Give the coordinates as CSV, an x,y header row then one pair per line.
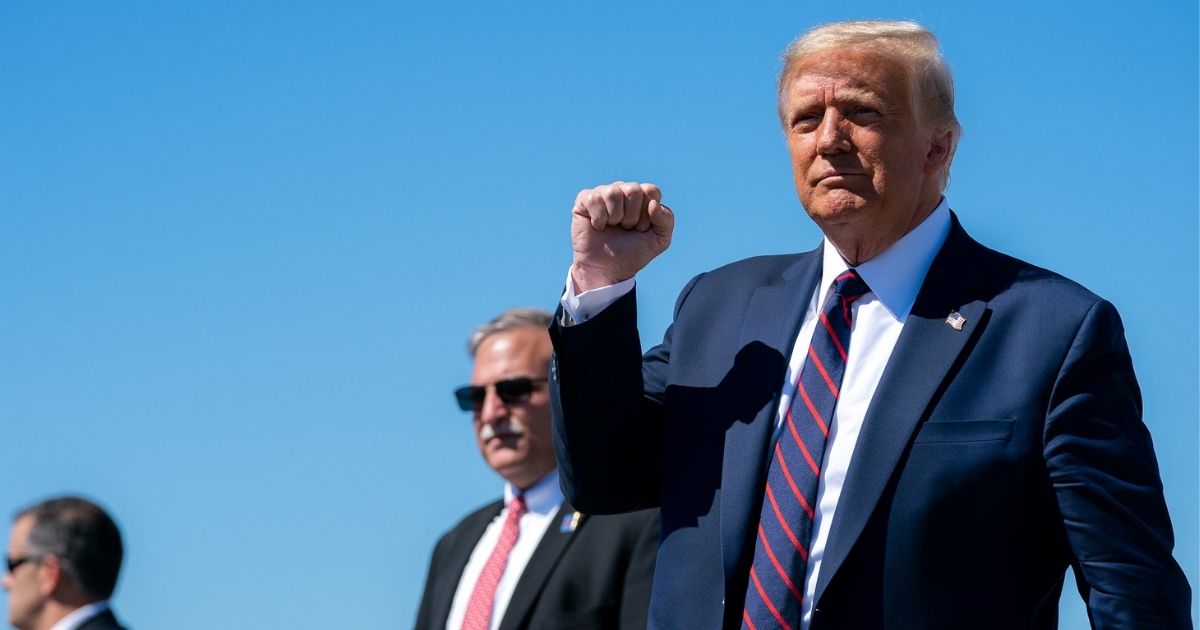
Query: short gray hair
x,y
513,318
908,42
83,537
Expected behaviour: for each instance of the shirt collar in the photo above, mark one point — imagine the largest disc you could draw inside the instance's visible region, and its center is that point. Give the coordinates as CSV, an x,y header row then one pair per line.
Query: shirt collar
x,y
76,617
542,497
896,274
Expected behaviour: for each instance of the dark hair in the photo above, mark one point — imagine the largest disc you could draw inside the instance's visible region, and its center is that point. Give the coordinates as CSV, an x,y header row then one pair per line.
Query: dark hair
x,y
83,537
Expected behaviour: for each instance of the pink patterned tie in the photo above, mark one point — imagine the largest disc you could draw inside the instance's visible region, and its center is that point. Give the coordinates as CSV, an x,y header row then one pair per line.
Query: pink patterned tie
x,y
479,609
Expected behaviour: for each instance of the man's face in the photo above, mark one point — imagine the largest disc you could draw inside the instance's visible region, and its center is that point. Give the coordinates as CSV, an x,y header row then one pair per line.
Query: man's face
x,y
24,597
865,167
515,437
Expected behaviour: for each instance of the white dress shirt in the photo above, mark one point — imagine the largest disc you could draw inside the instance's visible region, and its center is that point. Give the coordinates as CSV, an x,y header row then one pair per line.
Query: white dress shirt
x,y
894,277
541,501
80,615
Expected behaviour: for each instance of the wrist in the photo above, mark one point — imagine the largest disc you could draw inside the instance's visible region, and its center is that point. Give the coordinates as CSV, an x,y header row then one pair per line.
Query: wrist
x,y
586,278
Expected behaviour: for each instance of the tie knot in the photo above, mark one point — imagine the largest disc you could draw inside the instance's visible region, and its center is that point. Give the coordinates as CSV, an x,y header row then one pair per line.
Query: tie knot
x,y
517,505
850,285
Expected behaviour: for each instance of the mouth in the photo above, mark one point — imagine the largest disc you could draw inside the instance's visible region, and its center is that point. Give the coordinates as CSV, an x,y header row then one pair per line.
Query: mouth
x,y
835,176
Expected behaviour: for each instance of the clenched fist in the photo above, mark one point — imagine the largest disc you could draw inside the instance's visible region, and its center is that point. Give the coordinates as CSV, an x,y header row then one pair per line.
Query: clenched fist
x,y
616,230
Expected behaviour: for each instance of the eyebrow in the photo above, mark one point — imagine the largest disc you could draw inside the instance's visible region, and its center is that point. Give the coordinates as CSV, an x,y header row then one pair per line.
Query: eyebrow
x,y
844,95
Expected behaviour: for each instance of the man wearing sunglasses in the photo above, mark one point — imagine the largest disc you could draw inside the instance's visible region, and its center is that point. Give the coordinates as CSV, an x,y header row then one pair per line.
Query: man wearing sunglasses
x,y
530,560
63,558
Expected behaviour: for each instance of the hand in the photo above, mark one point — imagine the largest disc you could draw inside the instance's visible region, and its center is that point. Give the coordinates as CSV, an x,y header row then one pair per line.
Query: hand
x,y
616,230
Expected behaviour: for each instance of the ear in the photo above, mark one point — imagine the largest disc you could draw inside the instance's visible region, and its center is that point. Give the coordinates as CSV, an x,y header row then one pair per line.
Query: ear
x,y
50,575
940,149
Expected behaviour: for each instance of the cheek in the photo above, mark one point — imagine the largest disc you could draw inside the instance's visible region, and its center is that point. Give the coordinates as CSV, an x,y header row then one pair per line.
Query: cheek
x,y
894,159
801,163
800,151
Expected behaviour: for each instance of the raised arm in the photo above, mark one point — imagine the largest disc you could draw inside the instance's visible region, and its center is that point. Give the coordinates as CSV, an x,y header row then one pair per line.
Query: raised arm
x,y
607,418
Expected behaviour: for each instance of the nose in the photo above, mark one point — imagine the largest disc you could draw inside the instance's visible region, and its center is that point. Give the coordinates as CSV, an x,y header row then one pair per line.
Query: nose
x,y
832,133
493,408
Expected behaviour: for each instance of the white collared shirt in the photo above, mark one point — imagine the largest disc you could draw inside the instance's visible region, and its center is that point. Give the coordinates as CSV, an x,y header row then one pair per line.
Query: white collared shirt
x,y
541,501
80,615
894,277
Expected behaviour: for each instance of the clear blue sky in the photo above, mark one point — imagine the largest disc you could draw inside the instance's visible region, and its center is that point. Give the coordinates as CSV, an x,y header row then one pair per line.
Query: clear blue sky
x,y
242,245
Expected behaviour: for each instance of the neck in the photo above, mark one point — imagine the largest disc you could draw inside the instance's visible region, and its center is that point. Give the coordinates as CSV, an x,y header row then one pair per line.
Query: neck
x,y
52,613
525,482
857,244
55,610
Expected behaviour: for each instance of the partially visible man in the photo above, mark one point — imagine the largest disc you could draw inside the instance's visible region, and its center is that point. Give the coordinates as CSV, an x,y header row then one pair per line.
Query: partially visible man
x,y
530,560
64,555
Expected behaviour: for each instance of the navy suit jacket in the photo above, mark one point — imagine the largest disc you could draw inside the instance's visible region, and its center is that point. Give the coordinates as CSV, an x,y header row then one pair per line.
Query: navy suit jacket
x,y
990,460
596,575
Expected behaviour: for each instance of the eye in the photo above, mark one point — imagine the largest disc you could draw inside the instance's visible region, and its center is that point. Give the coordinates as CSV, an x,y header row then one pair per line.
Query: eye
x,y
805,121
864,115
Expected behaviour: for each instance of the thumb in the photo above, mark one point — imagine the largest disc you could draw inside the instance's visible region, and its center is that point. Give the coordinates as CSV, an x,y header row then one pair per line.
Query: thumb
x,y
662,219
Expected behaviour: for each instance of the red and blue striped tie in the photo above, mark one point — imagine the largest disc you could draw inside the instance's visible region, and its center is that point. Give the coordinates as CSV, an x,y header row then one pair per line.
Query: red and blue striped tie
x,y
775,593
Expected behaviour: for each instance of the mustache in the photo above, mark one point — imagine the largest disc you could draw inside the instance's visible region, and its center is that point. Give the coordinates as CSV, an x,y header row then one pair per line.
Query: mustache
x,y
489,431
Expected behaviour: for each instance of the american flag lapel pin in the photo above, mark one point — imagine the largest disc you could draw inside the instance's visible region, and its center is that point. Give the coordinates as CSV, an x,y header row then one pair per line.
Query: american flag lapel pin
x,y
569,523
955,320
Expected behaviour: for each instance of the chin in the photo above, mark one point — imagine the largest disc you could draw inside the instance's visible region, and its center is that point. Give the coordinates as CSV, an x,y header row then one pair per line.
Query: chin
x,y
505,461
839,202
836,214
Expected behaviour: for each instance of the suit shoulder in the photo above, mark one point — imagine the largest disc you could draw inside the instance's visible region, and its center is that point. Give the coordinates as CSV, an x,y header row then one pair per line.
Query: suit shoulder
x,y
474,520
103,621
745,275
1036,286
763,267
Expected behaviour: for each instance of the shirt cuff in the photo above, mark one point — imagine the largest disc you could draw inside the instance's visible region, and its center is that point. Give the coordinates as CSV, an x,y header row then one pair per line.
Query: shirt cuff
x,y
582,307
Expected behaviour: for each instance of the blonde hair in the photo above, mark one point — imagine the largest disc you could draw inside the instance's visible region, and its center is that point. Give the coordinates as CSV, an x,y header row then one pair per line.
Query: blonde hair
x,y
915,46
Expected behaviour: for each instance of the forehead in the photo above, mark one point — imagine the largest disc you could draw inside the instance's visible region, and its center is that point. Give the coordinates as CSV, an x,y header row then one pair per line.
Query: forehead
x,y
519,352
20,533
849,74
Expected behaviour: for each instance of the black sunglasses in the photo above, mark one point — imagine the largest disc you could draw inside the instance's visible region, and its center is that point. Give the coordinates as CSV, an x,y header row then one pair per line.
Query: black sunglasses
x,y
13,563
510,390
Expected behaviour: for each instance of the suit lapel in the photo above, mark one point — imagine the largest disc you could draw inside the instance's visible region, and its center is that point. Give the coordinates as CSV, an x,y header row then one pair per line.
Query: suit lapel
x,y
924,354
545,557
744,467
456,559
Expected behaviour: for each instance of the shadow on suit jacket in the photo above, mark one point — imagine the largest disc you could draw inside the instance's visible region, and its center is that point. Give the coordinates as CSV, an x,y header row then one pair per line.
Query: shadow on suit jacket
x,y
991,459
597,576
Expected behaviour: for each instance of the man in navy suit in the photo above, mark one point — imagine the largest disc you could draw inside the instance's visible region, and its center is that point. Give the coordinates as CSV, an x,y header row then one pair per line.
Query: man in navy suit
x,y
899,429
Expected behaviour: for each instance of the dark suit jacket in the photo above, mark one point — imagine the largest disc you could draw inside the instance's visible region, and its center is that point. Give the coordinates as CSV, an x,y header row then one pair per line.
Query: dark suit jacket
x,y
990,459
597,576
104,621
